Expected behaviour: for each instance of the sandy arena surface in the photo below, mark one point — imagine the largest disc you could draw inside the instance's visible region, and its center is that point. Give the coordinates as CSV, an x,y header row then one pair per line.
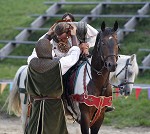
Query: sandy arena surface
x,y
13,126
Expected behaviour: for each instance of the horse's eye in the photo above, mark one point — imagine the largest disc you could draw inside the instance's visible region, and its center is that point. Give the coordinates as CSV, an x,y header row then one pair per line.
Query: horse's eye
x,y
103,43
130,73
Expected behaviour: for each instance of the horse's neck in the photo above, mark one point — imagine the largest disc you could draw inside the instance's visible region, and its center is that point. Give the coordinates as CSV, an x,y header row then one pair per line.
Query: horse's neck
x,y
97,62
98,65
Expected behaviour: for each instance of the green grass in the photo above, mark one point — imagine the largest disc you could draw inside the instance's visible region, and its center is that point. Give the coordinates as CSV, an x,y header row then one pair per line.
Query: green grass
x,y
129,112
16,14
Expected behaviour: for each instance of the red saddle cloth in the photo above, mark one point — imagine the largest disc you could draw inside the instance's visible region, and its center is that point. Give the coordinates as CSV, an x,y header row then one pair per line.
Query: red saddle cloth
x,y
90,100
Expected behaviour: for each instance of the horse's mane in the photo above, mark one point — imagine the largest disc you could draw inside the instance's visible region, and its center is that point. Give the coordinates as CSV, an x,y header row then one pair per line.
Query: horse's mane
x,y
136,68
98,37
134,65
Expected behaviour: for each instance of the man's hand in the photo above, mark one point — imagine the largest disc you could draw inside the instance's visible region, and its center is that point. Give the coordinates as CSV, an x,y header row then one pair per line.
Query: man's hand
x,y
51,30
84,48
50,34
73,29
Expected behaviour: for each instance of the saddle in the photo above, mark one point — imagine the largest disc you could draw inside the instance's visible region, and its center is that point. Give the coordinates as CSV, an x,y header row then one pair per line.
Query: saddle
x,y
69,81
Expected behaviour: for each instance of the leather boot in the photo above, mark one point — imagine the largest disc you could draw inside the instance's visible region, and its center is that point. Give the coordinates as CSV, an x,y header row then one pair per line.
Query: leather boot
x,y
110,109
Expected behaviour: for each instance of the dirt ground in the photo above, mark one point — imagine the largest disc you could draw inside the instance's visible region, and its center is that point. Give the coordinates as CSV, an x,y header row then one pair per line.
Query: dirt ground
x,y
13,126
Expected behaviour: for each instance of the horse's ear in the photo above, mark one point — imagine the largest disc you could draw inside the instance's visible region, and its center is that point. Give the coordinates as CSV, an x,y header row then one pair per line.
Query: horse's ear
x,y
103,26
115,26
133,57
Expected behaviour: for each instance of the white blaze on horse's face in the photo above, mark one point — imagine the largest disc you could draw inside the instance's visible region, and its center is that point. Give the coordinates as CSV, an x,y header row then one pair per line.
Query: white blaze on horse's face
x,y
113,52
110,37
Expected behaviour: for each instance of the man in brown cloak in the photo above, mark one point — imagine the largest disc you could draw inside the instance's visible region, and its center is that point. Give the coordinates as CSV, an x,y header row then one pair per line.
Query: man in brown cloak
x,y
44,86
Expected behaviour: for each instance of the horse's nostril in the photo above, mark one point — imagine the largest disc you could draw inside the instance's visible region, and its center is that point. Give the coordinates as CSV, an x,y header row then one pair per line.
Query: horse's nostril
x,y
109,64
127,93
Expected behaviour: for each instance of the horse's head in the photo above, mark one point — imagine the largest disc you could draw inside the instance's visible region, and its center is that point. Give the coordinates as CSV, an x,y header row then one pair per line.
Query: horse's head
x,y
107,46
126,72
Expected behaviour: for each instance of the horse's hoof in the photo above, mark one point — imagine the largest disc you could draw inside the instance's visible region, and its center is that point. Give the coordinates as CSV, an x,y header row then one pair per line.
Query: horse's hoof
x,y
110,109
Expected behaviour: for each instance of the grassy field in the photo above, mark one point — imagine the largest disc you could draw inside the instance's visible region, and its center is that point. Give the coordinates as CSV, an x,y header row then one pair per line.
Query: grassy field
x,y
129,112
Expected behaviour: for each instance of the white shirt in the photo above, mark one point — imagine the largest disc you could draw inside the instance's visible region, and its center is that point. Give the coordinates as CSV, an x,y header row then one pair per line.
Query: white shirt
x,y
91,35
68,59
66,62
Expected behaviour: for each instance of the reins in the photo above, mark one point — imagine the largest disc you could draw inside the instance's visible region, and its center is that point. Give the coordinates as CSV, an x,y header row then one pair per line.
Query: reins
x,y
98,72
102,100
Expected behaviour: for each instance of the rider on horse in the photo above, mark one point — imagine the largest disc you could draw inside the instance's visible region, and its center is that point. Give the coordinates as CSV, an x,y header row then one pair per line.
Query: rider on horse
x,y
62,40
64,35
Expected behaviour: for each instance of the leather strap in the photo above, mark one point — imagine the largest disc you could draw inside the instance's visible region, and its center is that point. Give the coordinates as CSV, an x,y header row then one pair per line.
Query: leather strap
x,y
91,100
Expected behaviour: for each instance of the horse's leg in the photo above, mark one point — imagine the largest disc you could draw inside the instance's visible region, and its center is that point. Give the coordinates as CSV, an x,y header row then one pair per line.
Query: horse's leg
x,y
85,119
24,110
96,126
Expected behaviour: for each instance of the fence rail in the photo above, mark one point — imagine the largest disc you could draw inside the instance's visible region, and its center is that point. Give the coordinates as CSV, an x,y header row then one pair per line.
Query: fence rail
x,y
95,3
94,16
14,57
17,42
96,12
144,49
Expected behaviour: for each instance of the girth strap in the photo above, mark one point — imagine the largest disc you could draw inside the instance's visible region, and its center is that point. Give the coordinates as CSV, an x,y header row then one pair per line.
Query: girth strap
x,y
91,100
23,90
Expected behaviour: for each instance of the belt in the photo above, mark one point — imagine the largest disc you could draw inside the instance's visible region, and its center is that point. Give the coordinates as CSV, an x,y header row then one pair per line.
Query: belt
x,y
40,98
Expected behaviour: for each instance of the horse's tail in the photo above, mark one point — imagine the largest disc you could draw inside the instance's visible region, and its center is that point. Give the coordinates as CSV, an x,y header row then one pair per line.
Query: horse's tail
x,y
13,100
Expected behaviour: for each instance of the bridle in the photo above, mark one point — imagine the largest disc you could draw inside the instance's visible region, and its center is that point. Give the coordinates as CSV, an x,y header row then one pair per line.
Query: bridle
x,y
126,81
104,59
101,54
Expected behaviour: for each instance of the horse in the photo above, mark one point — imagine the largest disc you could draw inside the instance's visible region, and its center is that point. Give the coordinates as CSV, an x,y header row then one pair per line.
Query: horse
x,y
92,83
123,78
125,74
93,92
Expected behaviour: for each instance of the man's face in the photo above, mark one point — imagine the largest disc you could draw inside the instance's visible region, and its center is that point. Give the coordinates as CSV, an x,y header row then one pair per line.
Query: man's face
x,y
63,37
67,18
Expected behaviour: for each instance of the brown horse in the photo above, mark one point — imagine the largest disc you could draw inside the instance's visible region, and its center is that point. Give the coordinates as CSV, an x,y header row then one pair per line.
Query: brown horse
x,y
93,92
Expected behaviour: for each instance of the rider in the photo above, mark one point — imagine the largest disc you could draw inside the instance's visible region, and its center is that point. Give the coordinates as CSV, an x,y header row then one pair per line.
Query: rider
x,y
85,35
68,17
